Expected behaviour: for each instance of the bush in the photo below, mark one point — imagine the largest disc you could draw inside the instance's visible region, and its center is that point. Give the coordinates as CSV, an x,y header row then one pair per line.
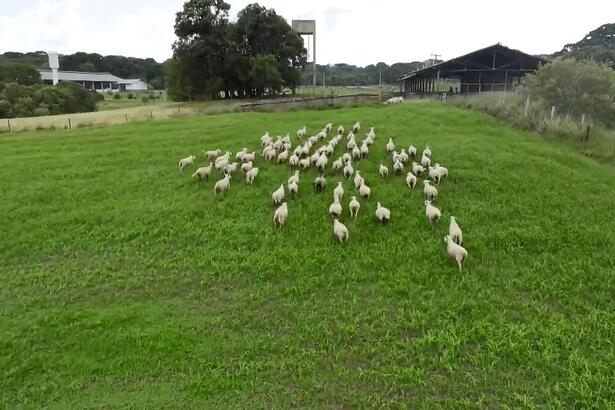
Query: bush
x,y
130,96
117,96
144,99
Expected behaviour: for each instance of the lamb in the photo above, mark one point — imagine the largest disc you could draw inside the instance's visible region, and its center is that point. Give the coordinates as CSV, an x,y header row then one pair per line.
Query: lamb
x,y
417,169
231,168
286,139
352,144
455,251
371,134
340,230
240,154
425,161
356,153
223,184
337,164
294,178
427,151
410,180
280,215
383,170
321,164
250,175
356,127
329,149
301,132
358,180
314,158
203,172
328,127
282,157
304,163
348,170
430,191
346,157
339,191
412,151
278,195
403,157
398,167
365,191
247,166
184,162
432,213
383,214
390,146
394,100
293,161
454,231
266,139
340,130
335,209
322,135
293,188
248,156
437,172
225,157
221,165
211,155
354,207
269,155
319,183
364,150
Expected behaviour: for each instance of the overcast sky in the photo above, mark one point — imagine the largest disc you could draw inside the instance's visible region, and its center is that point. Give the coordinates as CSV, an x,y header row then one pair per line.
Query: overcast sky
x,y
350,31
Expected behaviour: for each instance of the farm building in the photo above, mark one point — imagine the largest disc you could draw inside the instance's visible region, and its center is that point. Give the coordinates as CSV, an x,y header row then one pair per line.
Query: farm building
x,y
494,68
95,81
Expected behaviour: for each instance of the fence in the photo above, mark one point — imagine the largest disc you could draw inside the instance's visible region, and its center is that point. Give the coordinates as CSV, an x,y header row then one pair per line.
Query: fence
x,y
314,102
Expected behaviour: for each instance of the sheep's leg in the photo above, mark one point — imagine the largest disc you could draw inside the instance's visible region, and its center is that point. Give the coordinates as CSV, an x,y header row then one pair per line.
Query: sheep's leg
x,y
459,263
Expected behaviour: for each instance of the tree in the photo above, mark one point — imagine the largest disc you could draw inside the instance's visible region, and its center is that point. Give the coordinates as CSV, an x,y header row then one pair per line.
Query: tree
x,y
23,74
597,45
265,76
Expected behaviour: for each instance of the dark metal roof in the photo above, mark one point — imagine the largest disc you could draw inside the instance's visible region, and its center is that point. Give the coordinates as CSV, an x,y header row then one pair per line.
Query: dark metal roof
x,y
474,61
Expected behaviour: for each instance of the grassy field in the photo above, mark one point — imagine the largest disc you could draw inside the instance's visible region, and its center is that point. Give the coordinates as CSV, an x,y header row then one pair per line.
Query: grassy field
x,y
125,284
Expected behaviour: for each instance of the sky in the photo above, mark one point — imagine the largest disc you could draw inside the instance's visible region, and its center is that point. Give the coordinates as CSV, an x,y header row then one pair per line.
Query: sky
x,y
356,32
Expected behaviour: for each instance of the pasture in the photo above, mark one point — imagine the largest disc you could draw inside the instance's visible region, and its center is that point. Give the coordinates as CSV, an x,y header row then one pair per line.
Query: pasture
x,y
127,284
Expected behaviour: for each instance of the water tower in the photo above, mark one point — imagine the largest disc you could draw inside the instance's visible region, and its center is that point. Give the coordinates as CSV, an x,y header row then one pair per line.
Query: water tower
x,y
54,64
308,28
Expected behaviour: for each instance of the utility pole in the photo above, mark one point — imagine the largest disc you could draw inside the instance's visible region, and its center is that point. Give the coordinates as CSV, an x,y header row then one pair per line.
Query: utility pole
x,y
435,57
323,79
380,80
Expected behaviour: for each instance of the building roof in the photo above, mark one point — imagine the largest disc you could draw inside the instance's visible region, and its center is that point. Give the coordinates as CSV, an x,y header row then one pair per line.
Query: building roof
x,y
80,76
491,58
131,81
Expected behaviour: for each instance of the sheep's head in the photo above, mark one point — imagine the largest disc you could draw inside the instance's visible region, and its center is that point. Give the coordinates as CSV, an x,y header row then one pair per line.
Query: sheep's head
x,y
192,157
426,182
427,202
378,206
446,238
453,219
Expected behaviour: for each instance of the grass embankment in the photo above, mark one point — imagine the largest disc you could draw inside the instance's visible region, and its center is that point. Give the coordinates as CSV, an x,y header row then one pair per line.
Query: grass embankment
x,y
125,283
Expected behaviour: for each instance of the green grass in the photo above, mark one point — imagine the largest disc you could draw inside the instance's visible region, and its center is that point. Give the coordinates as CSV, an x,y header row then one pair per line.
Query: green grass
x,y
109,103
127,284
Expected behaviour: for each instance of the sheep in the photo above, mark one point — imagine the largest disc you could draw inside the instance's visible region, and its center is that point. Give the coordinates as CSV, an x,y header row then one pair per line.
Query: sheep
x,y
371,134
348,170
328,127
356,153
352,144
356,127
266,149
277,145
231,168
321,164
403,157
280,215
410,180
354,207
427,151
346,157
365,191
398,167
319,183
247,166
383,170
278,195
184,162
293,161
211,155
221,165
394,100
454,231
305,150
223,184
432,213
437,172
293,188
383,214
314,158
339,190
248,156
358,179
368,141
412,151
240,154
313,140
250,175
425,161
390,146
417,169
430,191
329,149
340,130
269,155
455,251
364,150
286,140
225,157
265,139
282,157
322,135
337,164
203,172
294,178
340,230
335,209
395,156
301,132
304,163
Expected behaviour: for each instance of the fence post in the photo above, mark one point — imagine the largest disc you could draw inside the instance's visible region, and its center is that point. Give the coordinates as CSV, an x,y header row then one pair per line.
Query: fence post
x,y
582,119
552,112
70,126
151,115
9,123
587,132
526,110
126,117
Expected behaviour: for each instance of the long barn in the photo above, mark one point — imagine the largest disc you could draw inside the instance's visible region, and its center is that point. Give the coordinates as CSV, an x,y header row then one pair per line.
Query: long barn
x,y
493,68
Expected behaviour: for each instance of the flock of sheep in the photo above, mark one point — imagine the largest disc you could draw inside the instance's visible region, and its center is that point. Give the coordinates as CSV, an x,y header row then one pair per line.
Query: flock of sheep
x,y
307,154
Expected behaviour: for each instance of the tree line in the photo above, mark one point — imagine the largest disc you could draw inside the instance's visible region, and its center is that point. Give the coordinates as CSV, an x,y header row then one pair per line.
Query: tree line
x,y
347,74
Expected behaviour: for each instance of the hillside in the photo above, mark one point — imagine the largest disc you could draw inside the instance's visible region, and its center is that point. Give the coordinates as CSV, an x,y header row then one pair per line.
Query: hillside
x,y
598,45
128,284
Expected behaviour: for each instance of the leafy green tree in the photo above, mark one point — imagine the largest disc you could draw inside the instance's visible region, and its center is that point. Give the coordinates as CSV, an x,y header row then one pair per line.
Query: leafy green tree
x,y
23,74
265,76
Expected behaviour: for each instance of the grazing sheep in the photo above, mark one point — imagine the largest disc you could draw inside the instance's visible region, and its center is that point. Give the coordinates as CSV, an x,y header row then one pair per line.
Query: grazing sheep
x,y
301,132
321,163
398,167
356,153
410,180
319,183
225,157
293,161
358,179
339,190
437,172
304,163
454,231
394,100
390,146
383,214
364,150
294,178
293,188
328,127
417,169
221,165
403,157
335,209
346,157
412,151
432,213
455,251
240,154
211,155
223,184
203,172
425,161
337,164
278,195
348,170
231,168
354,207
365,191
280,215
427,151
282,157
430,191
340,130
383,170
356,127
247,166
340,230
250,175
248,156
184,162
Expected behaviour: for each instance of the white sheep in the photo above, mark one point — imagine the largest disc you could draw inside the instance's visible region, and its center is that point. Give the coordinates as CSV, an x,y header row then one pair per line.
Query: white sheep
x,y
340,130
335,209
223,184
455,251
340,230
383,214
293,161
354,207
454,231
403,157
321,163
305,151
390,146
432,213
425,161
417,169
395,156
293,188
250,175
337,164
410,180
314,158
356,153
346,157
278,195
427,151
231,168
328,127
212,154
352,144
286,139
304,163
240,154
371,134
221,165
364,150
294,178
322,135
356,127
398,167
247,166
368,141
225,157
358,179
319,183
184,162
348,170
301,132
329,149
203,172
383,170
280,215
339,191
437,172
283,156
430,191
412,151
248,156
265,139
365,191
269,155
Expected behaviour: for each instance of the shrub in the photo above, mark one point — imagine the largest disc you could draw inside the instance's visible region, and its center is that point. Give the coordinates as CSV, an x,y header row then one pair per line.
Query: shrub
x,y
130,96
117,96
144,99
